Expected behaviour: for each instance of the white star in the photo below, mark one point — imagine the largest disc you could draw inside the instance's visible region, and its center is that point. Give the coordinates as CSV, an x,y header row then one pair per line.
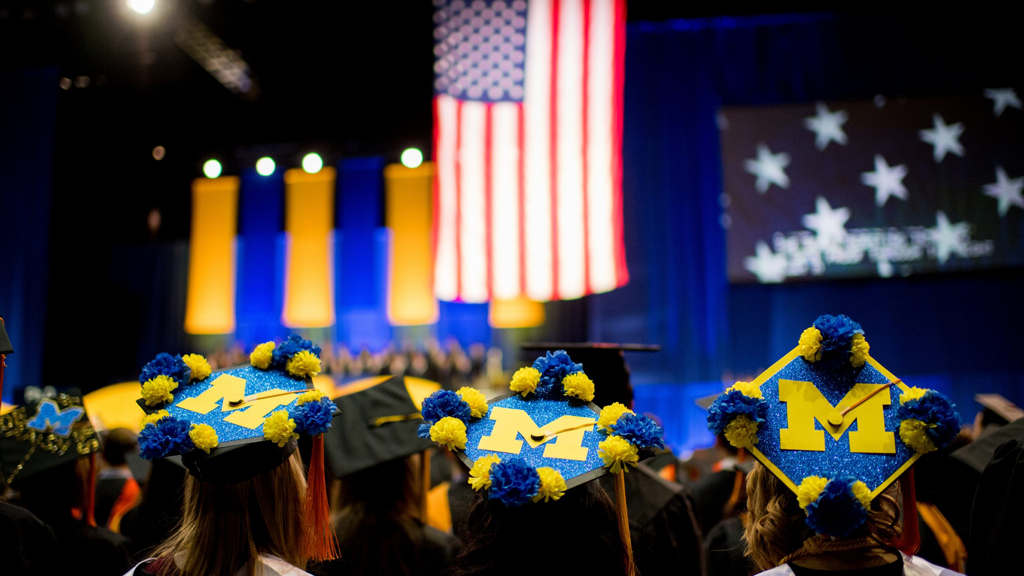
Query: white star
x,y
828,224
945,138
1002,97
887,180
948,237
769,169
1006,190
768,266
827,126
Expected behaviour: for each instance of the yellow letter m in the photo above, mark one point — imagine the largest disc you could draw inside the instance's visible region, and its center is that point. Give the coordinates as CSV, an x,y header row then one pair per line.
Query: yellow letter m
x,y
805,404
567,432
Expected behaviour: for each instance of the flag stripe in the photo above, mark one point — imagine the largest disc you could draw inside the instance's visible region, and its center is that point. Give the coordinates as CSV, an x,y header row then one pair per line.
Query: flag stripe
x,y
521,141
446,264
472,205
488,191
505,204
585,109
621,275
600,208
569,149
553,150
537,192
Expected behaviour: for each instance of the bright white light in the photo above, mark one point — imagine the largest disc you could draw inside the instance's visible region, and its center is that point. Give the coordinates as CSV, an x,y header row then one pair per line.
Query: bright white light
x,y
312,163
142,6
211,168
265,166
412,157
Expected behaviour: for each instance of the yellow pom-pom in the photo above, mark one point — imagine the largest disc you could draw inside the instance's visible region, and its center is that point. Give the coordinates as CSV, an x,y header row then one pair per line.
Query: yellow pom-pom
x,y
158,390
204,437
747,389
552,485
262,355
862,493
610,414
810,344
741,432
449,432
617,453
525,381
809,490
304,364
311,396
859,351
579,385
152,418
476,400
200,367
279,428
914,435
914,393
480,473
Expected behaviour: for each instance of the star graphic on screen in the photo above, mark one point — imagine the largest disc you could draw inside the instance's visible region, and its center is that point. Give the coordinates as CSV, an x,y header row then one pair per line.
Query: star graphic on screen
x,y
1007,190
768,266
827,126
769,169
827,223
944,138
948,238
1001,98
887,180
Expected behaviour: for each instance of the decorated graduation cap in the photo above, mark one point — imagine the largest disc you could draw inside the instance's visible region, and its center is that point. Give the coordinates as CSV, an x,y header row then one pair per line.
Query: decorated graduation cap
x,y
605,358
231,425
544,438
833,424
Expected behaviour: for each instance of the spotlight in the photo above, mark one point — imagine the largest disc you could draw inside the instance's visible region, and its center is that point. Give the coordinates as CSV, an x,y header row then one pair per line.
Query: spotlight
x,y
265,166
412,157
159,152
142,6
312,163
211,168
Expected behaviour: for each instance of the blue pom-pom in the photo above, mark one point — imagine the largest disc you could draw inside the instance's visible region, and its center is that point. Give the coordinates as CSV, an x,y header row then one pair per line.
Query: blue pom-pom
x,y
732,404
424,431
445,403
168,436
933,408
290,347
313,417
554,366
640,431
513,482
836,512
166,365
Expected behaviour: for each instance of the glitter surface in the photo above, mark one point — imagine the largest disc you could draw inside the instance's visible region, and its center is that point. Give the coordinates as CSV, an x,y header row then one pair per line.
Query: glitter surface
x,y
836,460
542,412
255,381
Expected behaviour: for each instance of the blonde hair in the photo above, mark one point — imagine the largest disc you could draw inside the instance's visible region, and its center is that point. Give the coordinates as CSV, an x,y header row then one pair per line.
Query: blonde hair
x,y
775,530
226,528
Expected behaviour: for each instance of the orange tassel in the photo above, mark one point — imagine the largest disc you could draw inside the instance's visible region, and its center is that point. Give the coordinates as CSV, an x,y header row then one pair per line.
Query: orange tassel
x,y
620,508
90,492
320,543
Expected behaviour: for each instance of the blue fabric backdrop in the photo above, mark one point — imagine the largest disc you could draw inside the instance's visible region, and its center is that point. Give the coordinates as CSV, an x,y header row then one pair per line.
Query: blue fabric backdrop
x,y
955,333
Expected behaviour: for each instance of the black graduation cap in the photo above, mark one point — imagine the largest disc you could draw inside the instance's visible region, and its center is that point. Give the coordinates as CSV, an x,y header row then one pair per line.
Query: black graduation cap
x,y
43,435
1000,407
379,425
5,341
605,362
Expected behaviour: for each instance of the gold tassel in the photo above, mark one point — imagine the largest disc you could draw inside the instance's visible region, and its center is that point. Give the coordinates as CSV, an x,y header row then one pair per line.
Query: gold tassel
x,y
620,498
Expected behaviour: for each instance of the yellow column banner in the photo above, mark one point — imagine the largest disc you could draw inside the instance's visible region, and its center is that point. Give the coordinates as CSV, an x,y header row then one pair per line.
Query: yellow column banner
x,y
309,259
408,199
210,303
515,313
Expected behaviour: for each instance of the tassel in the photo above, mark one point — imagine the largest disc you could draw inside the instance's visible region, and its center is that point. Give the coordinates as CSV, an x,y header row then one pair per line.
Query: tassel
x,y
424,486
910,541
620,508
319,543
90,492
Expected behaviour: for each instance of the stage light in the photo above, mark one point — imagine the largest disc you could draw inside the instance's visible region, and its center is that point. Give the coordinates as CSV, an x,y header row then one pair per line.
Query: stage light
x,y
265,166
142,6
312,163
211,168
159,152
412,157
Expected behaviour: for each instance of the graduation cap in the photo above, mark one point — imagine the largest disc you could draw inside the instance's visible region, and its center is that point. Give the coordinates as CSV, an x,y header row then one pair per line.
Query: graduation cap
x,y
231,425
606,361
544,438
833,424
999,406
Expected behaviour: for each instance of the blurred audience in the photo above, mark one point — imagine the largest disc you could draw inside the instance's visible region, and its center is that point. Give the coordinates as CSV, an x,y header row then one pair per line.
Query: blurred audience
x,y
117,492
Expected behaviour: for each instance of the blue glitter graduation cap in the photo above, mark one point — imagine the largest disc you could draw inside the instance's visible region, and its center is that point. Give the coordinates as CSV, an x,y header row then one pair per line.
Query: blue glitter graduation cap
x,y
544,438
833,424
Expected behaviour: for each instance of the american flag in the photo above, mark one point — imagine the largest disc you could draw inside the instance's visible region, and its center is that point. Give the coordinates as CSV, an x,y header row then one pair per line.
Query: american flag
x,y
527,148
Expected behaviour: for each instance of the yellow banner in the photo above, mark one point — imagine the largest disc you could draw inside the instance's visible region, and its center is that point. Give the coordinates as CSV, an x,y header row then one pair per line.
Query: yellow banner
x,y
309,260
210,304
408,203
515,313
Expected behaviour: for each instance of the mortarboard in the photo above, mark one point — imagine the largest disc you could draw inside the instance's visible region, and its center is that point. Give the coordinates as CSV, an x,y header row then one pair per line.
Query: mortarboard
x,y
1000,406
544,438
833,424
603,359
231,425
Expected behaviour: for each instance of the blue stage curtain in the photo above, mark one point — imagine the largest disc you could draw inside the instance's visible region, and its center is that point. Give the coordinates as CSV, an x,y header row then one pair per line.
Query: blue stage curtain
x,y
28,110
959,331
259,288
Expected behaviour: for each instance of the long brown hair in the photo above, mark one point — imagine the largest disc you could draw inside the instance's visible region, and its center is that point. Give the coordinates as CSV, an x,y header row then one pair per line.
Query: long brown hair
x,y
775,530
226,528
